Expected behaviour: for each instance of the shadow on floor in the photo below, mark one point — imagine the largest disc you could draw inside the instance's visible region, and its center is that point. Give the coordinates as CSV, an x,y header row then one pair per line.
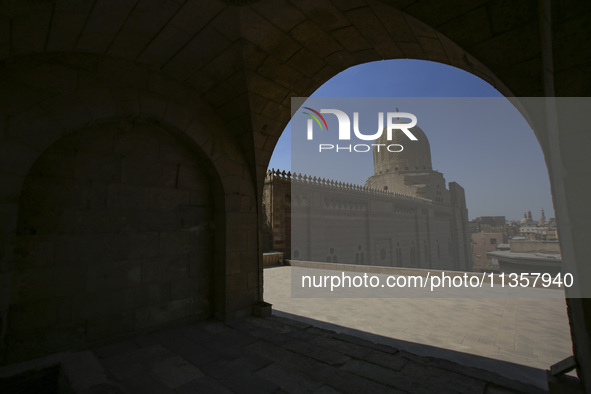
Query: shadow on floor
x,y
279,354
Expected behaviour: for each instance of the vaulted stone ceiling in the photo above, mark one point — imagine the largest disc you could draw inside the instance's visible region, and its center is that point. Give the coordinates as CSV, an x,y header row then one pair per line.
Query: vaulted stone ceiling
x,y
248,60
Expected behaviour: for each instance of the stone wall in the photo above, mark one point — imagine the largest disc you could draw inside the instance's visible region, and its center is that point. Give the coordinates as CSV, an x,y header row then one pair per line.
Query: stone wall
x,y
482,243
115,234
334,222
223,76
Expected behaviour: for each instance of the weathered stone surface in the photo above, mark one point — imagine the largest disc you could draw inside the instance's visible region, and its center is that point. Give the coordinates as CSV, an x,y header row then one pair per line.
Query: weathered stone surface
x,y
161,49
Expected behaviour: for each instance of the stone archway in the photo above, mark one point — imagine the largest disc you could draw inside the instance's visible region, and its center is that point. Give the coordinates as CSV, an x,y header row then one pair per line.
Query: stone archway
x,y
241,62
115,235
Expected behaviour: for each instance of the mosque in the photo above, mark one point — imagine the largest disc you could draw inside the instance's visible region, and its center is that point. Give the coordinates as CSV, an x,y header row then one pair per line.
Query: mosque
x,y
404,215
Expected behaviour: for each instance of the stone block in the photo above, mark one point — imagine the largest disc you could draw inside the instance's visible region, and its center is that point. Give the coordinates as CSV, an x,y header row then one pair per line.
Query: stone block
x,y
46,196
234,262
109,326
125,197
29,29
315,39
241,301
10,187
475,21
200,263
223,66
324,13
154,270
225,90
341,58
281,13
126,101
142,245
265,35
105,302
237,282
350,38
16,157
178,309
431,379
99,102
97,167
412,50
148,173
194,15
35,127
289,380
159,50
68,110
48,282
198,132
56,162
178,243
102,276
347,348
97,139
72,311
164,199
387,360
144,22
141,142
32,315
177,342
93,221
178,267
200,50
393,21
266,87
177,115
306,62
68,20
433,49
195,218
34,251
168,87
203,385
4,36
154,221
102,26
183,288
254,280
87,248
190,177
239,380
169,152
325,74
324,355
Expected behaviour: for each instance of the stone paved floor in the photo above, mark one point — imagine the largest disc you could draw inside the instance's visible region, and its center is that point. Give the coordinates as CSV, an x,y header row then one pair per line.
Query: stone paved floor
x,y
532,332
277,355
367,347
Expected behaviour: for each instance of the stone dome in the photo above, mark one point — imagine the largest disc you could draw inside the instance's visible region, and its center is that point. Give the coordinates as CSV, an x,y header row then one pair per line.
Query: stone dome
x,y
415,156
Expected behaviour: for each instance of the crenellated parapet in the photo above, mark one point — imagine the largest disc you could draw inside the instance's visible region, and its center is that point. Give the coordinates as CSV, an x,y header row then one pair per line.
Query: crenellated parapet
x,y
274,175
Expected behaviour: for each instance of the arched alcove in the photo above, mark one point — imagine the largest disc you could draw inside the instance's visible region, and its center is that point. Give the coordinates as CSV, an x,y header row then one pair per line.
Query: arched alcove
x,y
115,235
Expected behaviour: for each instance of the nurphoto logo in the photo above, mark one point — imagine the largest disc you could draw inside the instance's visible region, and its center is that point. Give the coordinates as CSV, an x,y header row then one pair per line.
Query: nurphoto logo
x,y
344,133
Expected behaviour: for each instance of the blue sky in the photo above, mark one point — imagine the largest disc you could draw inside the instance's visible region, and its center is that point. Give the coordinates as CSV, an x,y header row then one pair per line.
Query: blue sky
x,y
502,169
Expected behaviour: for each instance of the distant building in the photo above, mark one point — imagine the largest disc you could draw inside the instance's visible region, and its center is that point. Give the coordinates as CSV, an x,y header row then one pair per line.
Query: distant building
x,y
527,256
404,216
481,244
493,221
540,230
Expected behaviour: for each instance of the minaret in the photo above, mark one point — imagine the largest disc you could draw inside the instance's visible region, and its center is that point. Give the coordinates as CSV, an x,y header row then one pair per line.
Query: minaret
x,y
542,221
529,218
524,220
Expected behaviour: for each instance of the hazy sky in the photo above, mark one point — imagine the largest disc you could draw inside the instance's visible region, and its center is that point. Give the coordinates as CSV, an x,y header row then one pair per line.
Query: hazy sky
x,y
502,168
